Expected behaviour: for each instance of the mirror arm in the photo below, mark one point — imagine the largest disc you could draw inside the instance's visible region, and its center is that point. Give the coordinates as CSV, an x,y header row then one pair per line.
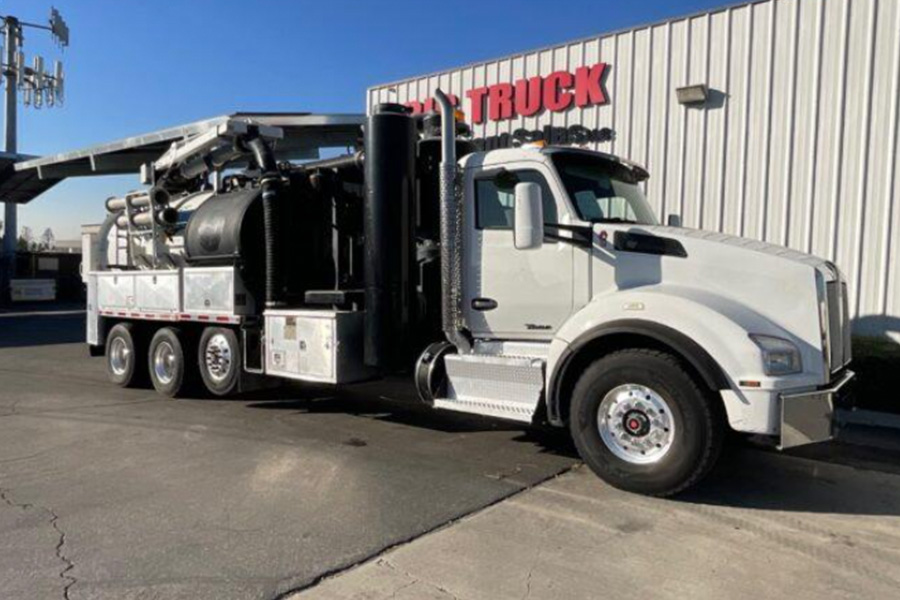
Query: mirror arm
x,y
582,235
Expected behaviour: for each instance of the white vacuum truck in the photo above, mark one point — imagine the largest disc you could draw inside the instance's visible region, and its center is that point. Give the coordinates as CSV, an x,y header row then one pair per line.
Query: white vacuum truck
x,y
532,284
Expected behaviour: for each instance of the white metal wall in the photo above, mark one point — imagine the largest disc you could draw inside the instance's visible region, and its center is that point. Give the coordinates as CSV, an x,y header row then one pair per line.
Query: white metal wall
x,y
798,145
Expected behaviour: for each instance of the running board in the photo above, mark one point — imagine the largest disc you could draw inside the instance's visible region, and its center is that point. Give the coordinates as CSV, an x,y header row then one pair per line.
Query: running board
x,y
494,386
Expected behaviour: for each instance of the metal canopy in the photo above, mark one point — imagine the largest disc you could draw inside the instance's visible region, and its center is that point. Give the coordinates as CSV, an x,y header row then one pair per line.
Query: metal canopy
x,y
23,178
20,186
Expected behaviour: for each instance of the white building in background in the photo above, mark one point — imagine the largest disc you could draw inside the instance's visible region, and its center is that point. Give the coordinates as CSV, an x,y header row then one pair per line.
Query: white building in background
x,y
795,143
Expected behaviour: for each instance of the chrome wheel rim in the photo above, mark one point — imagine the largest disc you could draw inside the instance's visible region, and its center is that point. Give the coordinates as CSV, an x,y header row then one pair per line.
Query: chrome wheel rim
x,y
119,355
218,358
164,363
636,424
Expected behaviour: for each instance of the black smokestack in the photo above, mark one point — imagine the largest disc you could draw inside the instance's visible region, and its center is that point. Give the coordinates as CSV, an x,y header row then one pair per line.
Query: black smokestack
x,y
389,227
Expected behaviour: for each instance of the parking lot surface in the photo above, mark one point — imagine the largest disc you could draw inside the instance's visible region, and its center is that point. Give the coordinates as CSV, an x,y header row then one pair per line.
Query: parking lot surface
x,y
110,493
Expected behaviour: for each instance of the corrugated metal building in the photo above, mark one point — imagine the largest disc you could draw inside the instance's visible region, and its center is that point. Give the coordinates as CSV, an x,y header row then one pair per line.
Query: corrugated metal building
x,y
796,143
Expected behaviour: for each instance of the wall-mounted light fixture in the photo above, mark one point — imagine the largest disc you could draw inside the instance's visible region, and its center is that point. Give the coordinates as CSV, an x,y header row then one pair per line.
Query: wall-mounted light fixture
x,y
692,94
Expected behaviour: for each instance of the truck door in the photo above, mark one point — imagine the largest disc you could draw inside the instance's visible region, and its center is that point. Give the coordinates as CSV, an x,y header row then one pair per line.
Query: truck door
x,y
510,293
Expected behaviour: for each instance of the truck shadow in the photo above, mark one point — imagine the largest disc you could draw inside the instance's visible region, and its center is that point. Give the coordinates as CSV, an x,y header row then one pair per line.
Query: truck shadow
x,y
827,478
392,403
41,330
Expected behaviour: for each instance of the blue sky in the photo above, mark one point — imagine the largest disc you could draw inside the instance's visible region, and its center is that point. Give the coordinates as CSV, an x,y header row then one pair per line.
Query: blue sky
x,y
135,66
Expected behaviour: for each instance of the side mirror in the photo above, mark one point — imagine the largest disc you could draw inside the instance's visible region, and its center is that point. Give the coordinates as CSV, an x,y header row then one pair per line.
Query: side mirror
x,y
673,221
529,213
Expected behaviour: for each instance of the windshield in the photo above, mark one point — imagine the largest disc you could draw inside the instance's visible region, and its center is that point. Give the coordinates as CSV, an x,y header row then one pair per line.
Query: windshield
x,y
603,191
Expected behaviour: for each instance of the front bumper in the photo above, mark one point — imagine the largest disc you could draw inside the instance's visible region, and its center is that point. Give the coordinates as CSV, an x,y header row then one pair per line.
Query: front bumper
x,y
808,417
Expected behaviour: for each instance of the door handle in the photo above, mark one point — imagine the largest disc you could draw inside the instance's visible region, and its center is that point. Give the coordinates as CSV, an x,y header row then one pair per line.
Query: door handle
x,y
484,304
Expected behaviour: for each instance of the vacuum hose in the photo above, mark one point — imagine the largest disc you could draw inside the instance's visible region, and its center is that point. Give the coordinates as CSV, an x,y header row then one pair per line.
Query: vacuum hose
x,y
270,181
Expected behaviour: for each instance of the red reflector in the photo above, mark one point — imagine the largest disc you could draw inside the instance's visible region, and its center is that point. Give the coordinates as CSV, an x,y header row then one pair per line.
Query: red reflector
x,y
749,384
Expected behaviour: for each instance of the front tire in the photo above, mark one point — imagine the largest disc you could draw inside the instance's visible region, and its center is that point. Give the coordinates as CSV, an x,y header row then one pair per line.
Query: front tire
x,y
220,360
125,364
642,424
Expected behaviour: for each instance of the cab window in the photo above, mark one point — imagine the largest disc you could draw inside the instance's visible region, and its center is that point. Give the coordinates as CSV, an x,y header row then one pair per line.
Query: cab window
x,y
495,199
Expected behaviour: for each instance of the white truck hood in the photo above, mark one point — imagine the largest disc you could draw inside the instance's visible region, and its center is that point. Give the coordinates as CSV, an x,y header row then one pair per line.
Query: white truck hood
x,y
764,288
685,235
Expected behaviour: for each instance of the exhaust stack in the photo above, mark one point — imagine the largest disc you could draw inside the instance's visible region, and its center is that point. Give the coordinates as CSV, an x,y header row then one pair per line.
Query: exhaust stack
x,y
451,231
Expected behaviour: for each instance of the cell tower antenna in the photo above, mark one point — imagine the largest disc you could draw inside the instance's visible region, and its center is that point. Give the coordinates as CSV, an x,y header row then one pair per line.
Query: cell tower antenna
x,y
39,88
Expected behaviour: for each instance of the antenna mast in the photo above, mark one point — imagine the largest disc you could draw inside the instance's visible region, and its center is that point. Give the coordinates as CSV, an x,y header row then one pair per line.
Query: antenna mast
x,y
38,88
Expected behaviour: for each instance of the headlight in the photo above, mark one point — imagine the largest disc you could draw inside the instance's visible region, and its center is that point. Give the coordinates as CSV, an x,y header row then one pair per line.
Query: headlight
x,y
780,357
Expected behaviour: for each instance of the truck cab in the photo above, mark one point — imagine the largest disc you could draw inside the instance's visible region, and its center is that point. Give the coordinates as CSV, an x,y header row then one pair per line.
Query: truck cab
x,y
649,341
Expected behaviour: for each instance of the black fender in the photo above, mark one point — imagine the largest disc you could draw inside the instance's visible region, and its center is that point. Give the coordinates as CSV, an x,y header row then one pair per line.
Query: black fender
x,y
645,333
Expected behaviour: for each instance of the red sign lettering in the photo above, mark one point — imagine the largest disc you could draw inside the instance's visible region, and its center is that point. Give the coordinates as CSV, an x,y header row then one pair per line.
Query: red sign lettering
x,y
528,96
430,105
556,98
500,104
588,88
476,98
556,92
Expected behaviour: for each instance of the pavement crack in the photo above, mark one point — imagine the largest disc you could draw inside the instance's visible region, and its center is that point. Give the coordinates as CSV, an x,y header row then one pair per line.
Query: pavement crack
x,y
401,588
413,580
26,457
528,581
61,555
59,550
4,495
539,551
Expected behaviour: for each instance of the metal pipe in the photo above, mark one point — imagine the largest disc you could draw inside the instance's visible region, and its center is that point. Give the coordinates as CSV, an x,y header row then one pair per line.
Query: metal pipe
x,y
346,161
140,199
165,217
451,231
137,199
209,161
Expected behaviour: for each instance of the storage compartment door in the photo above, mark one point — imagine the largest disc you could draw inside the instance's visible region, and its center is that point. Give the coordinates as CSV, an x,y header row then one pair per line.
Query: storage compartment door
x,y
158,291
300,347
115,291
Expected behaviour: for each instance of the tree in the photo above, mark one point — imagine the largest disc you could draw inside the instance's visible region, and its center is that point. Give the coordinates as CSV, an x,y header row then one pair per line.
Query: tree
x,y
26,239
48,240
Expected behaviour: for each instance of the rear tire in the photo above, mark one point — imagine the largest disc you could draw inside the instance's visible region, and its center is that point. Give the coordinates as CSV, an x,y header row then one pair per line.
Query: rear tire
x,y
169,372
642,424
125,364
219,357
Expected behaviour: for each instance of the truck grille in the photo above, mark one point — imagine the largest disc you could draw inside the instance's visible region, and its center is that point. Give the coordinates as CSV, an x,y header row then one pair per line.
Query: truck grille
x,y
838,324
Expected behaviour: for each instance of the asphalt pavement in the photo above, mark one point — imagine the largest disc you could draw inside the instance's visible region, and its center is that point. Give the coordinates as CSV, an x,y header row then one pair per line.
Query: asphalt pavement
x,y
111,493
108,493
